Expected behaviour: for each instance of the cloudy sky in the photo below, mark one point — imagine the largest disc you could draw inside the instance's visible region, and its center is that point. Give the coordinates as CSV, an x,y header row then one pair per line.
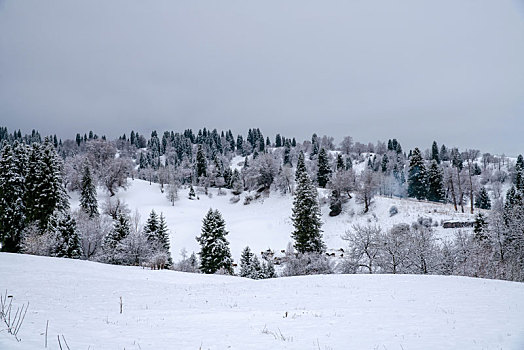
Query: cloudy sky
x,y
416,70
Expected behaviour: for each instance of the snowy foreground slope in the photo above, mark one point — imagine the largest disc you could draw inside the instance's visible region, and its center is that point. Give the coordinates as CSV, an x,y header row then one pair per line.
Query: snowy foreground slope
x,y
266,222
172,310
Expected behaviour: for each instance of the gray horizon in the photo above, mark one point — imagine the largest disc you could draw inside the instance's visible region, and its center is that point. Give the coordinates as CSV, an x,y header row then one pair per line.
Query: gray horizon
x,y
417,71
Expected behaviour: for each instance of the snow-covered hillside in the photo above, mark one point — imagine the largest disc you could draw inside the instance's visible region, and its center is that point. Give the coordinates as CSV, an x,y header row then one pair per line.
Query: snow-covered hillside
x,y
173,310
266,223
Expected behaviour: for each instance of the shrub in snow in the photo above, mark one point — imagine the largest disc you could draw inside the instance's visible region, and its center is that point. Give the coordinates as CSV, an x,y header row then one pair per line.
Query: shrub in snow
x,y
307,264
248,199
425,221
37,243
234,199
159,260
393,211
188,264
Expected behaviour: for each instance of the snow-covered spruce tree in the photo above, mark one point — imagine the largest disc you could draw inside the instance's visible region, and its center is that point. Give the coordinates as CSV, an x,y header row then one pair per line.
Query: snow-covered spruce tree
x,y
151,226
417,181
88,200
45,190
286,159
120,231
324,170
480,228
215,255
159,239
191,194
482,200
246,263
435,153
340,162
435,181
12,193
63,227
301,167
201,162
306,215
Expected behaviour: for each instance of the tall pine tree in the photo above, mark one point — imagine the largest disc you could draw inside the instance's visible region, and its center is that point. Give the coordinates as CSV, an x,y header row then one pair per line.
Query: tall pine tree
x,y
306,216
12,193
417,181
482,200
88,200
214,247
324,170
435,182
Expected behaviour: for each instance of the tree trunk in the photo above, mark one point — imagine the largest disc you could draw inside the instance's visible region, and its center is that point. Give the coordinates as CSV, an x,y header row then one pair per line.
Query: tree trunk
x,y
453,192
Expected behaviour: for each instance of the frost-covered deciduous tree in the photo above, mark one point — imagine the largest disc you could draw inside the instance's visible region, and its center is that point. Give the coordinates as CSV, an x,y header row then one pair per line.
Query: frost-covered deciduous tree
x,y
394,245
364,247
366,188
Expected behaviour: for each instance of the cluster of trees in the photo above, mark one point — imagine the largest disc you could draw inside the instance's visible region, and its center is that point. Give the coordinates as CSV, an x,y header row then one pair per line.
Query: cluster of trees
x,y
35,215
251,267
33,199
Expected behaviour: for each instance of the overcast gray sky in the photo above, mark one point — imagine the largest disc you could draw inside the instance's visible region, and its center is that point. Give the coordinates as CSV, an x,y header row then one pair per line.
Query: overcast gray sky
x,y
417,70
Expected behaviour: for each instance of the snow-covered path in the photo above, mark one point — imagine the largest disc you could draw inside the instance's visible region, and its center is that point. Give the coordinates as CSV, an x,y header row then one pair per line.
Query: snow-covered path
x,y
172,310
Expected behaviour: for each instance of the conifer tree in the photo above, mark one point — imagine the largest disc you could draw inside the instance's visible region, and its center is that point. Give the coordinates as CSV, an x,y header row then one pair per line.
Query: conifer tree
x,y
278,141
63,227
340,162
151,226
307,224
45,190
88,200
246,266
435,182
443,155
12,196
191,194
120,231
157,235
480,227
384,164
214,247
349,163
201,162
435,153
268,270
482,199
324,170
287,154
301,166
417,181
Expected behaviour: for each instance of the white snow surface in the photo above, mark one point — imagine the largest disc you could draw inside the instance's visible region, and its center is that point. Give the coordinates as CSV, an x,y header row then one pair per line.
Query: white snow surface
x,y
266,222
174,310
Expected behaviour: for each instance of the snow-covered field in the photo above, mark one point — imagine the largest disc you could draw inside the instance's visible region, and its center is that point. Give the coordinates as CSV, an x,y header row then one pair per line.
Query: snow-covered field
x,y
173,310
266,222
